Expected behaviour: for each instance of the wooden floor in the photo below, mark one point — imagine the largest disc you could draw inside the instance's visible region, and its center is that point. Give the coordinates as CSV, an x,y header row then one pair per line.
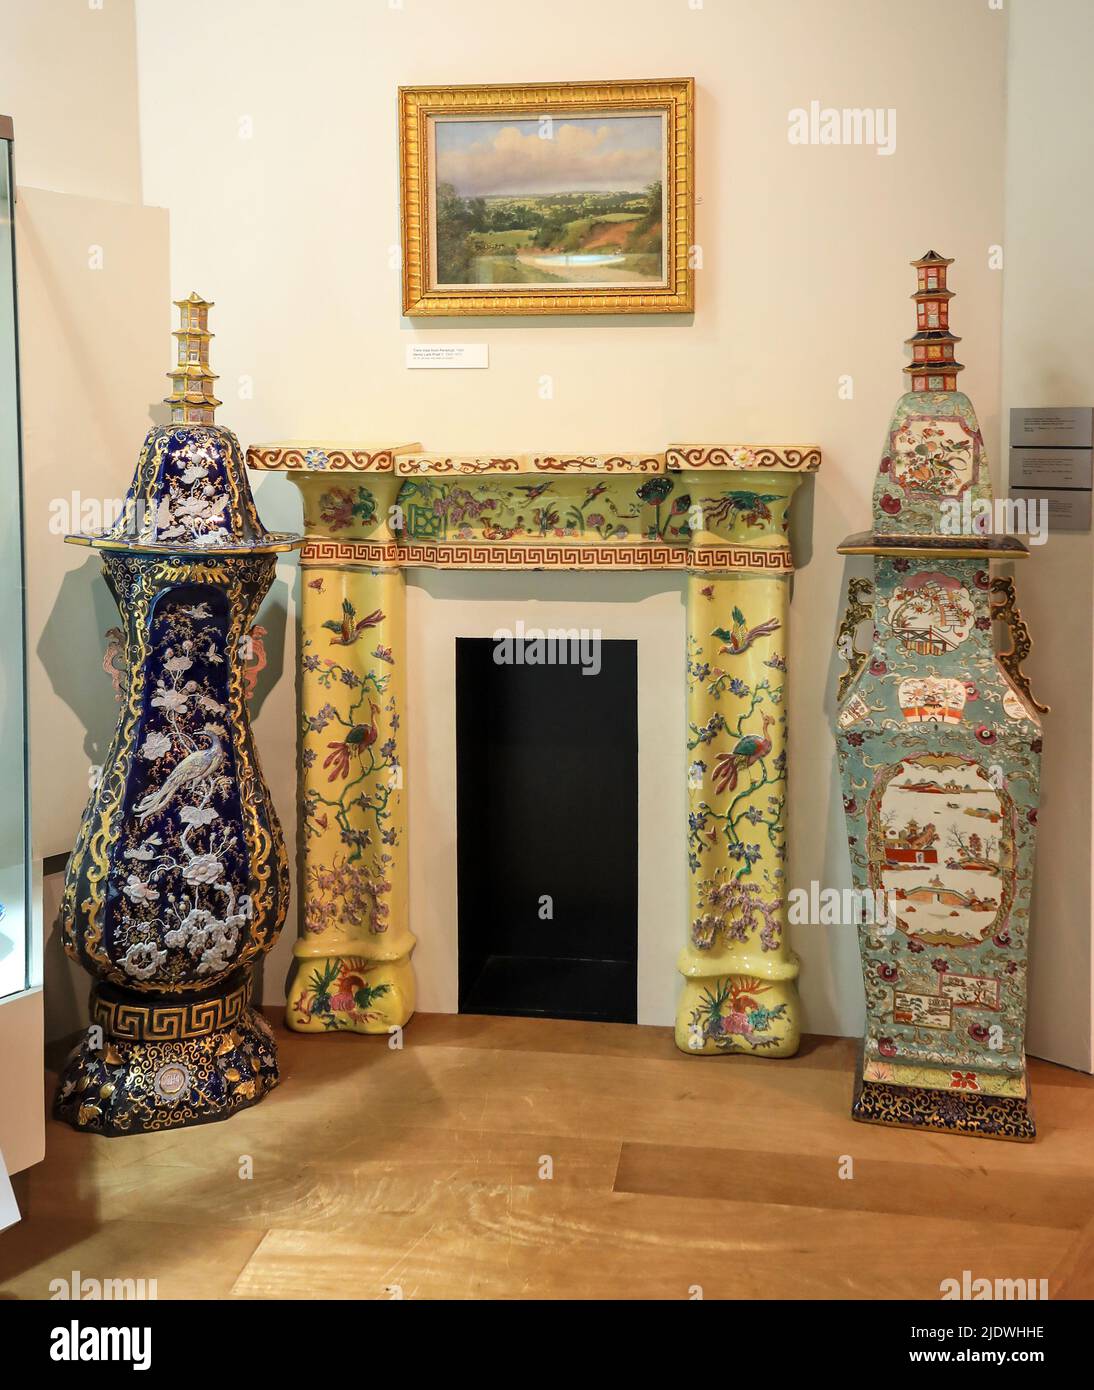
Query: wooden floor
x,y
420,1170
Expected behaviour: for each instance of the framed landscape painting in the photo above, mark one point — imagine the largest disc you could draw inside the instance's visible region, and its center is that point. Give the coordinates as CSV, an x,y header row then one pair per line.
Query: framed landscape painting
x,y
555,198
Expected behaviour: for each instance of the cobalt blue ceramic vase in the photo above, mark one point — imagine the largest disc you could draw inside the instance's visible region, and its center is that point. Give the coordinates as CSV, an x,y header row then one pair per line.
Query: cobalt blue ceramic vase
x,y
178,881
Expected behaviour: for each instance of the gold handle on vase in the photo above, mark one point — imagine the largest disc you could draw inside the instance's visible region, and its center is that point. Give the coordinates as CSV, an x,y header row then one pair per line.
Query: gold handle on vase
x,y
1021,643
858,589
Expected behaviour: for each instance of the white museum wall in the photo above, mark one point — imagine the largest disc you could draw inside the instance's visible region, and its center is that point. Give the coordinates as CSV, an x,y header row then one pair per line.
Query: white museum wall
x,y
289,220
1048,359
68,76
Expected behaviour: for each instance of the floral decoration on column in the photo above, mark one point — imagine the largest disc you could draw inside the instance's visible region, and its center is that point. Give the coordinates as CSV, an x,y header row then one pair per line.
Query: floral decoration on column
x,y
352,969
740,992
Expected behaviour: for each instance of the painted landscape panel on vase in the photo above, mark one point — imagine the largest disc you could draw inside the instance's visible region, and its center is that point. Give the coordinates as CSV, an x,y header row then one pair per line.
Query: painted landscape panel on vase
x,y
942,847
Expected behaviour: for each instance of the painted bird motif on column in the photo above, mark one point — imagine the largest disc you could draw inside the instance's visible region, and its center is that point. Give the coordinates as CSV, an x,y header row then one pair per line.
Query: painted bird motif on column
x,y
740,636
349,627
751,748
749,507
360,738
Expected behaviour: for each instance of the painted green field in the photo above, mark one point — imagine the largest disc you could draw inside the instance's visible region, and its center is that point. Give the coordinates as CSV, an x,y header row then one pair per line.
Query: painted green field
x,y
595,238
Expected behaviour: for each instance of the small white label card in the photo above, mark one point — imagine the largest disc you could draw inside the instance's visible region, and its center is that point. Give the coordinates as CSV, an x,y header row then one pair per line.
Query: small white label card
x,y
9,1211
448,355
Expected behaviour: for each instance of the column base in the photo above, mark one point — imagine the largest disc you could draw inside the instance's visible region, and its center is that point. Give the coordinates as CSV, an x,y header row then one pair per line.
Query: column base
x,y
945,1112
738,1013
349,994
146,1080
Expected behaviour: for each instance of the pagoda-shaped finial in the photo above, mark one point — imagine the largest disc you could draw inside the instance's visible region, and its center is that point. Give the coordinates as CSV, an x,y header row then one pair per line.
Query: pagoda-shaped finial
x,y
932,367
191,400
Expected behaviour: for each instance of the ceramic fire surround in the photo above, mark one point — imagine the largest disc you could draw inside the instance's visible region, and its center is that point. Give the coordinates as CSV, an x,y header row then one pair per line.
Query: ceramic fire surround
x,y
718,512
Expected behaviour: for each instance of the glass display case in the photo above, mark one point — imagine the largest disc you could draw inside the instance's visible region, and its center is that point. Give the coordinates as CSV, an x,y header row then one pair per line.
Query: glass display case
x,y
19,966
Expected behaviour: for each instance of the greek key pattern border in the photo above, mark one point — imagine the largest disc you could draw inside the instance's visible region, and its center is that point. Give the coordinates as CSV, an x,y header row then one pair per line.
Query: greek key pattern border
x,y
134,1022
497,556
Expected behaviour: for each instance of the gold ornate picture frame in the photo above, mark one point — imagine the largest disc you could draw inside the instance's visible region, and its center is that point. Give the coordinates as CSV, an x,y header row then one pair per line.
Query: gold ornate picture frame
x,y
548,198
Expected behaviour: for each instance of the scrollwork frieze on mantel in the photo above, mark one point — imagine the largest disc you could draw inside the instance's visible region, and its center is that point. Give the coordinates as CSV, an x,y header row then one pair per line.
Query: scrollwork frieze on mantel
x,y
794,458
409,460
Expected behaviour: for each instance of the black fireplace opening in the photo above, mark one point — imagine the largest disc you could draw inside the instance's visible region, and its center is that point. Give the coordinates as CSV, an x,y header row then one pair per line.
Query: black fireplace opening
x,y
547,827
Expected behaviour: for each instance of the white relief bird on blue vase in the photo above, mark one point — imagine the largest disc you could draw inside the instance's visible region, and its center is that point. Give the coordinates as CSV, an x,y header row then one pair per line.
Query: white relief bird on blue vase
x,y
202,763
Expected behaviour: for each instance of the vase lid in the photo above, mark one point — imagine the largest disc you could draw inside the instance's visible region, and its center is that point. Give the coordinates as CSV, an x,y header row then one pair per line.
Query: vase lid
x,y
933,479
190,492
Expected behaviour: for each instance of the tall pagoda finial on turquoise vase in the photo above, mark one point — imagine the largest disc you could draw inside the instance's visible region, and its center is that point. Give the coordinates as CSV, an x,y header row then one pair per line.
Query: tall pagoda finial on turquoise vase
x,y
191,400
932,367
934,458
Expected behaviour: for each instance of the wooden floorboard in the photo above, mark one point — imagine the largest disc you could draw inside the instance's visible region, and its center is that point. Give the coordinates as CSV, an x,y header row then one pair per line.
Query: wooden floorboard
x,y
518,1158
874,1185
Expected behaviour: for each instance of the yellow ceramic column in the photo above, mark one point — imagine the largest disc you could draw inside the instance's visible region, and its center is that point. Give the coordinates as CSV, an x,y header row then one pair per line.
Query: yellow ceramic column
x,y
352,970
740,992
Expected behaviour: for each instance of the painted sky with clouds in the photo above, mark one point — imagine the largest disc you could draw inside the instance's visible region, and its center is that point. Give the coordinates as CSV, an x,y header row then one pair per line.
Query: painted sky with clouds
x,y
606,154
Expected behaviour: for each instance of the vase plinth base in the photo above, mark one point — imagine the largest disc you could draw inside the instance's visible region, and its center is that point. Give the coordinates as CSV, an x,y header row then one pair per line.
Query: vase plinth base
x,y
126,1087
945,1112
